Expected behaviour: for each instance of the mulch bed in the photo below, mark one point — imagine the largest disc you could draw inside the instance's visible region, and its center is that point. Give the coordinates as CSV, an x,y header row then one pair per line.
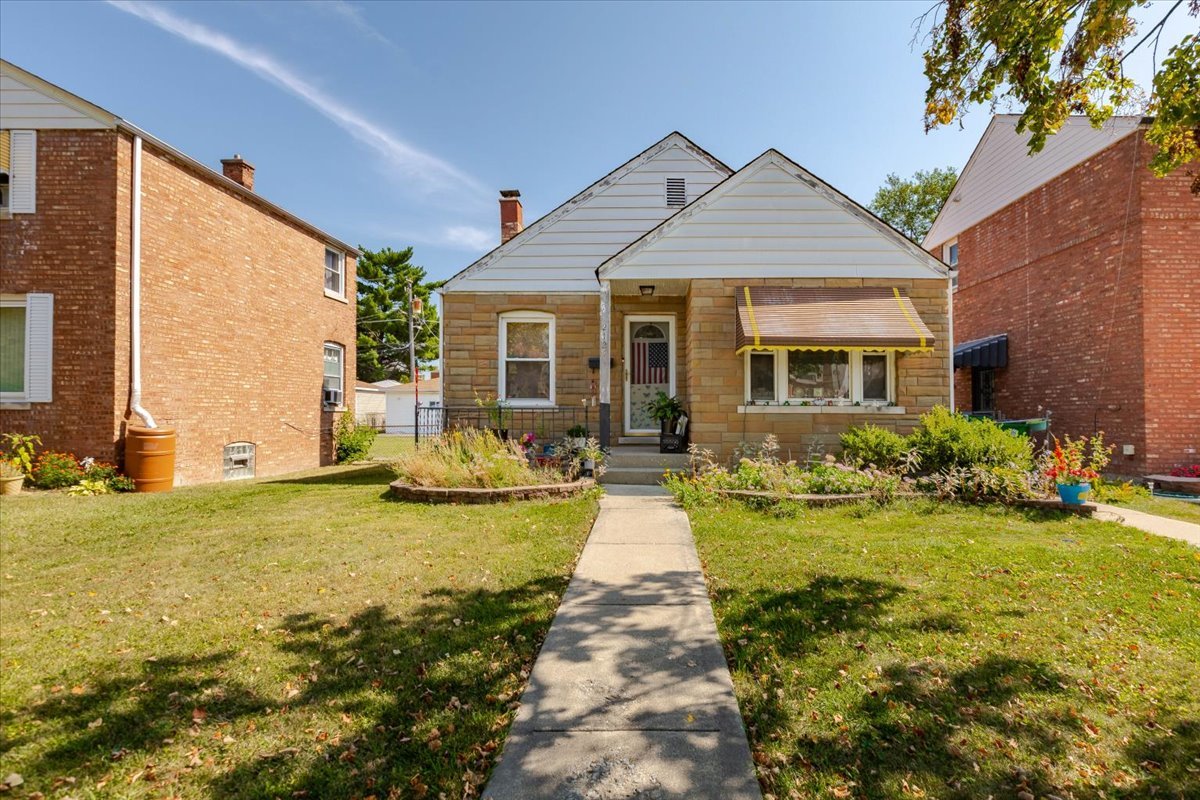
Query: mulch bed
x,y
474,496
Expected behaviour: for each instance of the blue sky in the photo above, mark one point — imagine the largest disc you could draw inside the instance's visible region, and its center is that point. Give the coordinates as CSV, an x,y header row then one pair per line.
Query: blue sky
x,y
395,124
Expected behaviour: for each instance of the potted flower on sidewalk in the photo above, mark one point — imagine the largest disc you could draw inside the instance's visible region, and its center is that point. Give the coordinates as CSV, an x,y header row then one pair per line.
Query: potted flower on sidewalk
x,y
1074,464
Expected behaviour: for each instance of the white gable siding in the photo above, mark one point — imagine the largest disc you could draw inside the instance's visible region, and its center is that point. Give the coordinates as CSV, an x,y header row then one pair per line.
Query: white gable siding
x,y
772,221
1001,170
26,107
562,256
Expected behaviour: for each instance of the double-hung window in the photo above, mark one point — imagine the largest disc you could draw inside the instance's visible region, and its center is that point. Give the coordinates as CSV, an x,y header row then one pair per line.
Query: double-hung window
x,y
332,384
335,273
26,347
820,377
526,373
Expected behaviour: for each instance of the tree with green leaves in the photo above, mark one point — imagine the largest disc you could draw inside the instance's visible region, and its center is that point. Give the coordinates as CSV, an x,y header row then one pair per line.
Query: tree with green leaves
x,y
910,205
383,347
1061,57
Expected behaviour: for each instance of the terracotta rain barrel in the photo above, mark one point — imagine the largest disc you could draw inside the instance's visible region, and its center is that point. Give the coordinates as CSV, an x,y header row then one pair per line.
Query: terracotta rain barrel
x,y
150,458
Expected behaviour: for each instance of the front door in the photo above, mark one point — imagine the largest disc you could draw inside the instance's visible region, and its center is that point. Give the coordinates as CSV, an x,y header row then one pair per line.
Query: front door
x,y
649,368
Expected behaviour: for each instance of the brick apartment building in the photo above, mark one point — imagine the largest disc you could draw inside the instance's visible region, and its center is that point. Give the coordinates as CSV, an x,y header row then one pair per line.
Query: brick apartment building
x,y
1078,289
247,312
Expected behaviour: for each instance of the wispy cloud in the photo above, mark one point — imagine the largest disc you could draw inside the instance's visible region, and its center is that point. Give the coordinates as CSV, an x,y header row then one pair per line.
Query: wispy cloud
x,y
426,170
354,16
466,238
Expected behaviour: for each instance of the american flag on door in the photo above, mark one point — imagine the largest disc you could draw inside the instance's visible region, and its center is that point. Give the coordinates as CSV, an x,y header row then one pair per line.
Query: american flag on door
x,y
650,362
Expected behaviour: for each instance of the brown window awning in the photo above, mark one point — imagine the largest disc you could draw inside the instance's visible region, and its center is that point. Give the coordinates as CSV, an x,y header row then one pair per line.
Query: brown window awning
x,y
869,318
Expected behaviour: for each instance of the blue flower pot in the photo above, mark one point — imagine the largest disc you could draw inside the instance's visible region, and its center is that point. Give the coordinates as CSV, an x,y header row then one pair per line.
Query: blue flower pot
x,y
1073,495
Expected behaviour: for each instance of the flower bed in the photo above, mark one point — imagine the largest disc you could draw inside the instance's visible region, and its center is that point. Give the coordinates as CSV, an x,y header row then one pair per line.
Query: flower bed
x,y
474,466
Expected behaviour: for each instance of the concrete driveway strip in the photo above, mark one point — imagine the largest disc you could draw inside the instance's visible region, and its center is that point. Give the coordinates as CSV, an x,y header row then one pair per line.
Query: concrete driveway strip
x,y
630,696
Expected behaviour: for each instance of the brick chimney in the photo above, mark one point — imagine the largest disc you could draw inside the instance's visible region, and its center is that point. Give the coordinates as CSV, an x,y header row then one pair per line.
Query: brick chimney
x,y
512,216
238,171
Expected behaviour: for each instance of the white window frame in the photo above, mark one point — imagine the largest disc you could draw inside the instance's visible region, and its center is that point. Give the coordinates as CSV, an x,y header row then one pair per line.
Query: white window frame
x,y
950,256
340,294
501,364
39,330
341,378
856,379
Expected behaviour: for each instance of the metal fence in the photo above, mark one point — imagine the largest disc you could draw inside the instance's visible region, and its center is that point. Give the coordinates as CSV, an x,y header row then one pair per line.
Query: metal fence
x,y
546,423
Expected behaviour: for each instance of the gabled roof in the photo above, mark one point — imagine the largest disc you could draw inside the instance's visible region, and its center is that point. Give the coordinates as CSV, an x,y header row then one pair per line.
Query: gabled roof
x,y
1001,170
808,228
672,140
95,117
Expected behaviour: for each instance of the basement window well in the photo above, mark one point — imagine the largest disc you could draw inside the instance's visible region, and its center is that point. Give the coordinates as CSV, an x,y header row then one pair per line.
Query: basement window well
x,y
239,461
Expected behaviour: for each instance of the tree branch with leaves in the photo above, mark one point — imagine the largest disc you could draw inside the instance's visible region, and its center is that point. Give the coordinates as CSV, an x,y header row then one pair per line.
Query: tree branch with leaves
x,y
1057,58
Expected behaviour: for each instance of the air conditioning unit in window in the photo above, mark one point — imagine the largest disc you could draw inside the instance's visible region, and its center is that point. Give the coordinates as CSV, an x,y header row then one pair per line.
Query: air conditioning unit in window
x,y
332,397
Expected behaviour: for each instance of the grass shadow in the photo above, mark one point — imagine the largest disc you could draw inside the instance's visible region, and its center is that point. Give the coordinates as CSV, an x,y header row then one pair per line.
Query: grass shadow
x,y
357,475
430,693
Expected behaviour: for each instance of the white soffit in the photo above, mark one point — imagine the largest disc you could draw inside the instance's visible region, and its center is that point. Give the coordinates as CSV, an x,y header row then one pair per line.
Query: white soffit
x,y
1001,170
773,219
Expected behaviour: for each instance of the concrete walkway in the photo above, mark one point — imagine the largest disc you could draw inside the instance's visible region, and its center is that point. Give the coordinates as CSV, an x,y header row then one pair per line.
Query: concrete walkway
x,y
1152,523
630,696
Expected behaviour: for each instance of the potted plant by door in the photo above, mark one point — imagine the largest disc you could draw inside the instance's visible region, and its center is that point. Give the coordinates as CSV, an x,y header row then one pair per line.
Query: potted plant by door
x,y
667,411
590,458
11,477
1074,464
577,435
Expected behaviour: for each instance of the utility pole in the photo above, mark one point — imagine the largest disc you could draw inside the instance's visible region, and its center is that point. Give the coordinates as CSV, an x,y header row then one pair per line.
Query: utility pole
x,y
412,366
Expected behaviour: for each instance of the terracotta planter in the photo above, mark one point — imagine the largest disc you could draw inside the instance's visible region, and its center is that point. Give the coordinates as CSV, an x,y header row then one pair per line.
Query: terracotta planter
x,y
12,485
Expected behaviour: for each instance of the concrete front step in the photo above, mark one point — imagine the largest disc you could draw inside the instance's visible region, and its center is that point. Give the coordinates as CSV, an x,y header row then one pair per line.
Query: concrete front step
x,y
635,476
621,457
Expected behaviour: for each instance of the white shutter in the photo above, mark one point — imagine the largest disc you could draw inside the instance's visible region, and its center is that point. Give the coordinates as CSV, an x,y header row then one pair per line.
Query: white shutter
x,y
22,180
39,347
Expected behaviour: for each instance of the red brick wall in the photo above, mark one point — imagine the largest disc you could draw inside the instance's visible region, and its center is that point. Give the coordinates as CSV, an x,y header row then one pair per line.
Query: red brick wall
x,y
67,248
234,313
1170,252
1066,272
234,317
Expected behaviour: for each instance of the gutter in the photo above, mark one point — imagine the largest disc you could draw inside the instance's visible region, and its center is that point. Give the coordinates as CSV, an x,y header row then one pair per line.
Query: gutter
x,y
135,291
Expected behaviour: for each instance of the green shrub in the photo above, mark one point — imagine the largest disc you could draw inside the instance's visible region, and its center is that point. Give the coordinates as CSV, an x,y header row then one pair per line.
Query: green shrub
x,y
473,459
981,482
351,441
1105,492
947,441
871,444
53,470
107,474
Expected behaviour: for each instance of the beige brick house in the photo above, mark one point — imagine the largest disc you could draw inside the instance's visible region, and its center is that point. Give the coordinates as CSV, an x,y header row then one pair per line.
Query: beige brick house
x,y
246,312
765,299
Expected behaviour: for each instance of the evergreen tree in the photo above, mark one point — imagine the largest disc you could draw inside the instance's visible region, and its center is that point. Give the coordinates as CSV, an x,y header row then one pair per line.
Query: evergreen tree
x,y
383,347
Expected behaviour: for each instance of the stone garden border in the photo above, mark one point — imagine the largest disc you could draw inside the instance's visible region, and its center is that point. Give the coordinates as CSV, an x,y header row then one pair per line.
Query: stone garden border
x,y
475,496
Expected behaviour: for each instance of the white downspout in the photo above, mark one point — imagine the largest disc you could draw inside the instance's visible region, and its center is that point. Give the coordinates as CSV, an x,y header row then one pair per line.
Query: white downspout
x,y
135,292
950,334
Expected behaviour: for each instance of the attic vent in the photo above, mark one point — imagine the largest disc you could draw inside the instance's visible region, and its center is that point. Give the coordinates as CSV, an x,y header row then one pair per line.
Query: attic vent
x,y
676,192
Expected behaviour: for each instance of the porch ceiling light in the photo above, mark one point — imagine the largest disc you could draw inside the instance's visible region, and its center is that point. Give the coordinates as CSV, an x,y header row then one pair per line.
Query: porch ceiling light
x,y
646,291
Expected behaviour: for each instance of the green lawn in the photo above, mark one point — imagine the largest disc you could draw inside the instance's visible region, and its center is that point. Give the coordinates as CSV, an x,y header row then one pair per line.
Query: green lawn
x,y
300,637
959,652
390,445
1164,507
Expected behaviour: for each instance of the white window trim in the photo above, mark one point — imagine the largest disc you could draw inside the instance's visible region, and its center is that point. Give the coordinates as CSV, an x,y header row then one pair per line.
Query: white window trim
x,y
340,294
342,360
953,266
856,380
501,389
43,393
